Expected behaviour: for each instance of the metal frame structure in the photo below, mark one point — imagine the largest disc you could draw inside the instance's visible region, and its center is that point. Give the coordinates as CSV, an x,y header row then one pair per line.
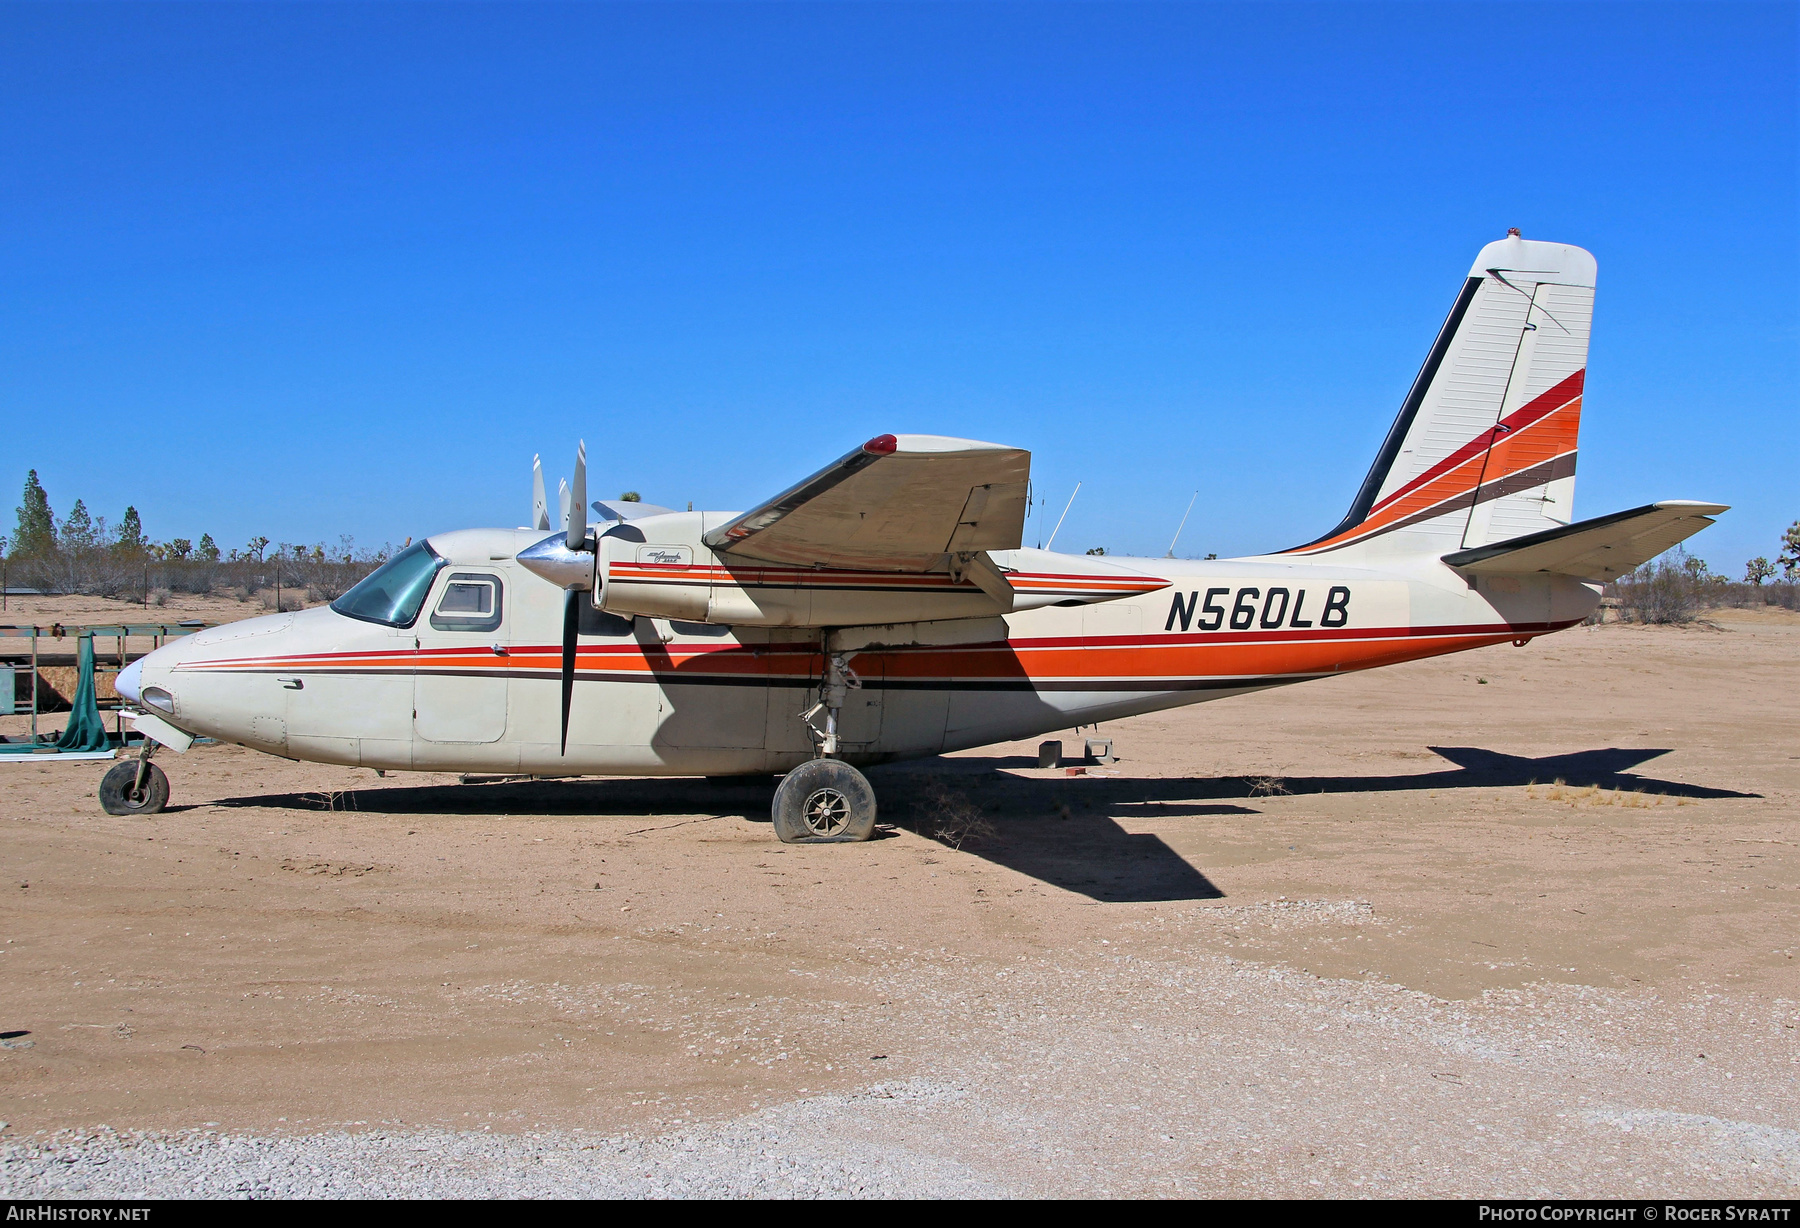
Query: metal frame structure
x,y
157,633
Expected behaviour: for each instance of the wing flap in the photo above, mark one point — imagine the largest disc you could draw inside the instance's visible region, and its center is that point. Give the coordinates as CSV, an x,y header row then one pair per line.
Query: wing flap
x,y
898,503
1599,549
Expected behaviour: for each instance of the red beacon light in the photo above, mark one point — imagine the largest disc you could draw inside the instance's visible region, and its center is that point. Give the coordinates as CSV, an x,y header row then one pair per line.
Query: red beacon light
x,y
881,445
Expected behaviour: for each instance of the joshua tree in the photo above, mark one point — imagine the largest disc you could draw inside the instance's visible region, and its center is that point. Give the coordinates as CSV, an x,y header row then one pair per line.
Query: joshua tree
x,y
208,550
1790,548
1757,570
254,550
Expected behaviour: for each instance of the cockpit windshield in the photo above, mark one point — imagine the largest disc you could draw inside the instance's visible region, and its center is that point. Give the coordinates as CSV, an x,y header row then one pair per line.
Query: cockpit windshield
x,y
393,593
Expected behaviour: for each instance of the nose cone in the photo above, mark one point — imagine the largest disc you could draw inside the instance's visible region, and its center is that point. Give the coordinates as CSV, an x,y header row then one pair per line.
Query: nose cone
x,y
554,561
130,682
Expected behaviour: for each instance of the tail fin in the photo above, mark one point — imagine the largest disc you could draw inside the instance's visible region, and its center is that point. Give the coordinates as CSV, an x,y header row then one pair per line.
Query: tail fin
x,y
1484,447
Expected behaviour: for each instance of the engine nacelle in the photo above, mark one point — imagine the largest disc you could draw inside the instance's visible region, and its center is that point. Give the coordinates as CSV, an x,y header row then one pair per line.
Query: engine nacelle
x,y
660,568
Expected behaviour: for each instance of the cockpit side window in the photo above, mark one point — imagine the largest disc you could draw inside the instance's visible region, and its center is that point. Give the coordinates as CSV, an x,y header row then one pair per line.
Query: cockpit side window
x,y
393,593
471,602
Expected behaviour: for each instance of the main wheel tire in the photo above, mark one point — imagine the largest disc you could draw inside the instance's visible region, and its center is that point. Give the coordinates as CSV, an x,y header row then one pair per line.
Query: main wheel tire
x,y
119,793
824,801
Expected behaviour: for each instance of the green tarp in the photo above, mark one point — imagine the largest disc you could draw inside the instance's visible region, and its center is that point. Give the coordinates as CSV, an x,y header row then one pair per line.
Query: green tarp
x,y
84,731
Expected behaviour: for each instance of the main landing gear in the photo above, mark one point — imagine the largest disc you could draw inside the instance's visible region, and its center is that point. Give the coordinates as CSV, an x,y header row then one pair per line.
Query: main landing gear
x,y
825,800
135,786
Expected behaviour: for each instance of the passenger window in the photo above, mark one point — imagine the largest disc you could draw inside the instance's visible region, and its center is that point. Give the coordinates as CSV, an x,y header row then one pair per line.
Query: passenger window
x,y
470,602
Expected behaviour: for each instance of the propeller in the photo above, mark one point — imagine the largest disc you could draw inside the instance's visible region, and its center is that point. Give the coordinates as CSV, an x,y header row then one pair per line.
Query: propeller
x,y
566,559
571,634
576,511
540,506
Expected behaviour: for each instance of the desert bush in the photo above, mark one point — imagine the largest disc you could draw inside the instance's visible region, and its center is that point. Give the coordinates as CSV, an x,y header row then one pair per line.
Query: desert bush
x,y
943,814
1668,591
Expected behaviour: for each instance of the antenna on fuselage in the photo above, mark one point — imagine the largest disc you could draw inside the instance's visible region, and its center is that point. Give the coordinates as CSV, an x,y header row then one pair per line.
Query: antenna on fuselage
x,y
1181,526
1063,517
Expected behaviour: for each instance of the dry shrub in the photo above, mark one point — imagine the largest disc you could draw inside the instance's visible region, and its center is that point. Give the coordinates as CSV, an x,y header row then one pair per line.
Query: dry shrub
x,y
1269,786
1594,795
948,816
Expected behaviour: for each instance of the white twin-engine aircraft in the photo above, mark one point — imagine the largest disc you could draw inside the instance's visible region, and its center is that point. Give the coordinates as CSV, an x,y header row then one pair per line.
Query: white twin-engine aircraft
x,y
883,609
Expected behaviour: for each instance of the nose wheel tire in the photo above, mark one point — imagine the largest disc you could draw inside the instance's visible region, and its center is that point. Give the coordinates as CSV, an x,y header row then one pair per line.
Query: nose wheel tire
x,y
120,794
824,801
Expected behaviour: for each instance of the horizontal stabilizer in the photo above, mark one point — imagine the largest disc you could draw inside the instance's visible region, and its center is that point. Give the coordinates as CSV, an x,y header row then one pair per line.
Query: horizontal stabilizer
x,y
1599,549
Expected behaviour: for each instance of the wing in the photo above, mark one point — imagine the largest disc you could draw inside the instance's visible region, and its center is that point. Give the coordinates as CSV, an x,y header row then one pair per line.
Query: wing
x,y
898,503
1597,549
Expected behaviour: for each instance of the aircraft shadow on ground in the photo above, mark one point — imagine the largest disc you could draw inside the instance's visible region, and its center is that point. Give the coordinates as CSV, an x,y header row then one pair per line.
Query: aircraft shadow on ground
x,y
1475,768
1088,852
637,797
1061,830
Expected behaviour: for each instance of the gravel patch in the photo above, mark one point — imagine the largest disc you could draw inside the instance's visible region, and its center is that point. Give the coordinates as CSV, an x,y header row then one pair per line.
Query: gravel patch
x,y
809,1149
1106,1072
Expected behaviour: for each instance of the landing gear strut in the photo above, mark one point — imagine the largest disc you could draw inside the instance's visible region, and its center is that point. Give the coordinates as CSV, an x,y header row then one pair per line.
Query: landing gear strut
x,y
135,786
825,800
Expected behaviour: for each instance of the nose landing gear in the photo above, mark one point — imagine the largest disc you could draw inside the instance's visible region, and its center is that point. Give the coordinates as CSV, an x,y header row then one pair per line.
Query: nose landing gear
x,y
135,786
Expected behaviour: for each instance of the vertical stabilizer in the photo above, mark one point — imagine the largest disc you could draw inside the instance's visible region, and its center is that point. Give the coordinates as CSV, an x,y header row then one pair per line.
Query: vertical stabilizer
x,y
1484,447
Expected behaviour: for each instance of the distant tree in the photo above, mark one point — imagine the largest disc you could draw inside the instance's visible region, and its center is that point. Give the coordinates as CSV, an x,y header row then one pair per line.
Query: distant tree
x,y
36,535
1757,570
254,550
1098,550
1789,560
77,534
1695,567
180,548
208,550
131,533
1212,556
631,496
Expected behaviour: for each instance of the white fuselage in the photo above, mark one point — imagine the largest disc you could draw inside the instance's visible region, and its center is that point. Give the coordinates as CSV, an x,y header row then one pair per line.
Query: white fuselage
x,y
656,697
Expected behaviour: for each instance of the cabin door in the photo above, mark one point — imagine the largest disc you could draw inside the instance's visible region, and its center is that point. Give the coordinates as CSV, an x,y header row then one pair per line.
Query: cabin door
x,y
460,677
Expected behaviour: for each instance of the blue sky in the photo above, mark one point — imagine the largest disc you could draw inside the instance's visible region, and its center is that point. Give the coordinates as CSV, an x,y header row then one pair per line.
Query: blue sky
x,y
307,270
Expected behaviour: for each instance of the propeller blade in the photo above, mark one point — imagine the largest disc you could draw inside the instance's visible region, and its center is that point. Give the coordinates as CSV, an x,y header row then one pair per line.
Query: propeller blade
x,y
562,496
540,506
578,499
571,630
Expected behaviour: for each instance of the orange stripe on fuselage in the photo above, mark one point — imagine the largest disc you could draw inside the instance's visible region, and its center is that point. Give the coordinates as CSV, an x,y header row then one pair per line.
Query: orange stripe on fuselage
x,y
1148,660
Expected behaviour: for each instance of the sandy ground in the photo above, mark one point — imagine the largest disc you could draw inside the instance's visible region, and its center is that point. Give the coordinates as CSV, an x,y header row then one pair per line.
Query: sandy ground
x,y
1349,937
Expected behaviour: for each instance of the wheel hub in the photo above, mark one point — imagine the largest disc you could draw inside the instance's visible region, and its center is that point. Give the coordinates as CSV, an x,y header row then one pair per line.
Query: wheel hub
x,y
826,812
